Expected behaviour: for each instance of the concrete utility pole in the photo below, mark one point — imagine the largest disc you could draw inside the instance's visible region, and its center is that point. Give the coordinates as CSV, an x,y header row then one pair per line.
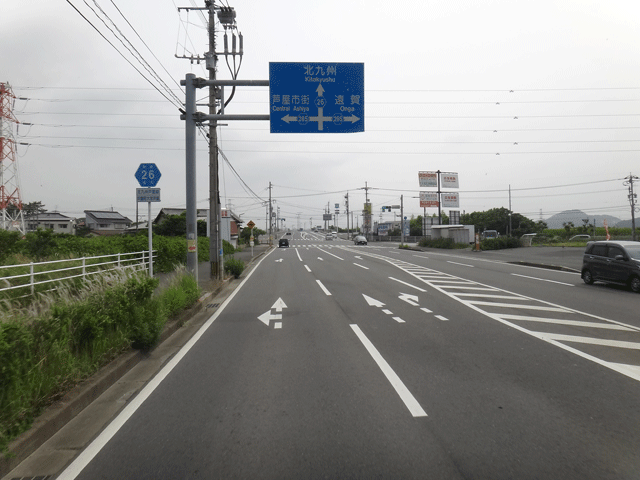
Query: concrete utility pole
x,y
632,202
401,220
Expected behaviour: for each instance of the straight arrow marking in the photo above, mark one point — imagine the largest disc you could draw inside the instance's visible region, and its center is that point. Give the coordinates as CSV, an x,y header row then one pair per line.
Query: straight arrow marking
x,y
279,305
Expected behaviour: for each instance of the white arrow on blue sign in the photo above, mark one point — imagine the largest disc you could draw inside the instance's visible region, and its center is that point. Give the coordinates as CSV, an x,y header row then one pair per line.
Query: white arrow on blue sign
x,y
148,175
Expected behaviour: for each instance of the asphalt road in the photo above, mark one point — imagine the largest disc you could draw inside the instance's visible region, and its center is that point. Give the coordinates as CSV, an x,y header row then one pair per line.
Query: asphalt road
x,y
337,361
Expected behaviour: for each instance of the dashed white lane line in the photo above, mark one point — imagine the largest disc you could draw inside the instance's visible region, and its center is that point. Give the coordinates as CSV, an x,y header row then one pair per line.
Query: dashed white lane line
x,y
440,317
400,388
324,289
462,264
398,319
361,266
308,269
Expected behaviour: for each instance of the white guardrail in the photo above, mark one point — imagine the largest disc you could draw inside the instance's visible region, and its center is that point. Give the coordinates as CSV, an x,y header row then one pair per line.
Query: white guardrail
x,y
73,268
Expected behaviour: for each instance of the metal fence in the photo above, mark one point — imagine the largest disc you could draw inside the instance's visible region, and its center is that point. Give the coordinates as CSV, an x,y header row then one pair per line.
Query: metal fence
x,y
24,276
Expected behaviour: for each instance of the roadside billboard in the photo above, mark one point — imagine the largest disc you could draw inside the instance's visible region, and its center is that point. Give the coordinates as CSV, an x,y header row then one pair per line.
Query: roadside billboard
x,y
428,199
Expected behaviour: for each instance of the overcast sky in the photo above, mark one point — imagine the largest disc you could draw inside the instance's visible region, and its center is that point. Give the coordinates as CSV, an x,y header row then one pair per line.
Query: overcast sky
x,y
507,93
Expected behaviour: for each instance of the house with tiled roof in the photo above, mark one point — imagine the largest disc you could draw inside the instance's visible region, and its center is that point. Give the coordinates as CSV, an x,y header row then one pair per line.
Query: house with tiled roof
x,y
55,221
106,222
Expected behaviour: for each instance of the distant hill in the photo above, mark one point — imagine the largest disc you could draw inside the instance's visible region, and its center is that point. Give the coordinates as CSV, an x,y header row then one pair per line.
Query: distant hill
x,y
559,219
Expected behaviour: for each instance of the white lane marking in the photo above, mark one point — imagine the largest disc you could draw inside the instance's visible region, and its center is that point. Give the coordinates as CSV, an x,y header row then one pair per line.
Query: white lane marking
x,y
277,325
324,289
405,395
426,310
308,269
299,257
420,256
372,302
408,284
463,264
515,305
486,295
573,323
398,319
543,279
361,266
83,459
388,312
330,254
589,340
440,317
410,299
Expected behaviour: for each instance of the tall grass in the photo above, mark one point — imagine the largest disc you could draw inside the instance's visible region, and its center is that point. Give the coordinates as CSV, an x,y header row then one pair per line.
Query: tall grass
x,y
48,347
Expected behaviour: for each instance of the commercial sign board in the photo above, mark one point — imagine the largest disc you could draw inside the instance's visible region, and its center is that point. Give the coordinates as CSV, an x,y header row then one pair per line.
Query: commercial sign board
x,y
450,200
428,179
316,97
449,180
428,199
383,229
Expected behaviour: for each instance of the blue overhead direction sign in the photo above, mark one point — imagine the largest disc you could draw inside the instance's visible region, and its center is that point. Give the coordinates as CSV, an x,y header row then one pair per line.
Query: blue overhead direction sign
x,y
148,175
316,97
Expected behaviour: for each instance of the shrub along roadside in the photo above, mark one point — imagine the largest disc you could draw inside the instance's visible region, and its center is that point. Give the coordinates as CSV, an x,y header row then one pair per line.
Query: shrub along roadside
x,y
499,243
43,356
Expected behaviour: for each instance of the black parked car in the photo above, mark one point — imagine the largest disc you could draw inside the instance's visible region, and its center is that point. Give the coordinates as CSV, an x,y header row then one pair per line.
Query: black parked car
x,y
284,242
612,262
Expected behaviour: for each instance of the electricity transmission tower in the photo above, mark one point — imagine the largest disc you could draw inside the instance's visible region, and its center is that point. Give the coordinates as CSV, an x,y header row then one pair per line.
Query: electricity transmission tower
x,y
11,217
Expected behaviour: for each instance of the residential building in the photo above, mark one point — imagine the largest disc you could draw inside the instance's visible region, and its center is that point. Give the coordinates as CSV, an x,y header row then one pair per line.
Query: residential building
x,y
106,222
55,221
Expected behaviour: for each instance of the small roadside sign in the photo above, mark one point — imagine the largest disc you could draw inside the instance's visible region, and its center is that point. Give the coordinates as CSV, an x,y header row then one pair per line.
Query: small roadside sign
x,y
148,194
148,175
250,224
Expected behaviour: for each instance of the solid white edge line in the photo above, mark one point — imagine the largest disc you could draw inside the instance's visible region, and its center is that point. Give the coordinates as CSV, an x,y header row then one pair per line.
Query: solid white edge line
x,y
85,457
404,393
543,279
324,289
298,253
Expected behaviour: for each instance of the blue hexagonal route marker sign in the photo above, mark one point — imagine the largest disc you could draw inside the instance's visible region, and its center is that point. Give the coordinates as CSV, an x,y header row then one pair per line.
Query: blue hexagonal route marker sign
x,y
148,175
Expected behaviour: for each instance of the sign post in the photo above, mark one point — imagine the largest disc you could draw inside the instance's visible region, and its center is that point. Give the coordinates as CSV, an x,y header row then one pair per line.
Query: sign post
x,y
148,176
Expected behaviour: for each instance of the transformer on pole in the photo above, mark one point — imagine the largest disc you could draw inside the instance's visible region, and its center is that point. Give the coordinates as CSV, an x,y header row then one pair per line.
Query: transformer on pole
x,y
11,217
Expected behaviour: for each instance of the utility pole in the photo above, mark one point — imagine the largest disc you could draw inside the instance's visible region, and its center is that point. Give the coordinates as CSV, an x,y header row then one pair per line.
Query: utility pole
x,y
401,220
346,204
270,217
632,201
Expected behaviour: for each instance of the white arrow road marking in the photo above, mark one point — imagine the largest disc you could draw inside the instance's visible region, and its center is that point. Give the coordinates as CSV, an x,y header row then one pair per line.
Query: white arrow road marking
x,y
279,305
358,257
267,316
373,302
404,393
410,299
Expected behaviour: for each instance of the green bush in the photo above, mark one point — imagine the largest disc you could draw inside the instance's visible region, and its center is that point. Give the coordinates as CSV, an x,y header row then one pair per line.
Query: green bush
x,y
499,243
437,243
233,266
